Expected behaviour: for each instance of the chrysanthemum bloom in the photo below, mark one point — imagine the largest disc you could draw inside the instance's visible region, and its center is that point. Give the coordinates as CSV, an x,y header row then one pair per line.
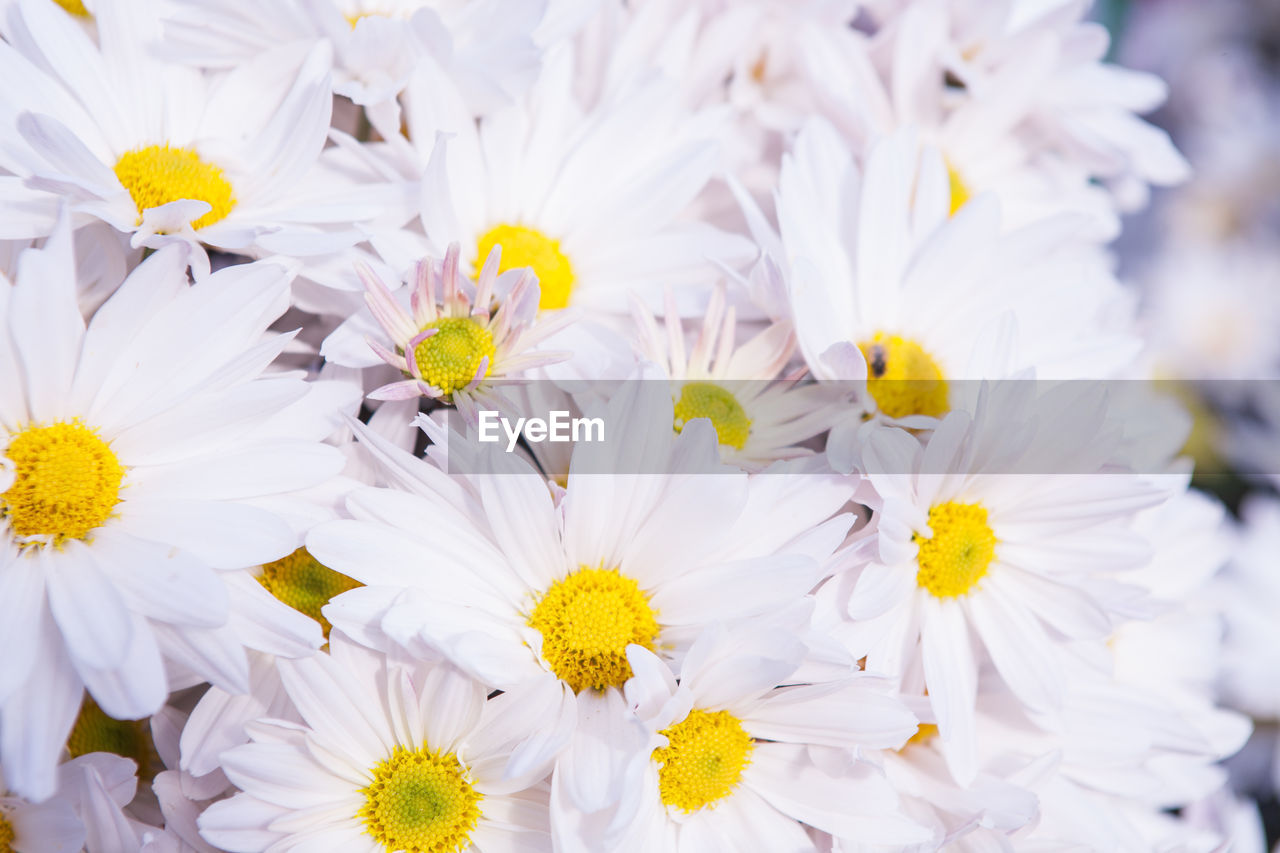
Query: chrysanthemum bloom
x,y
388,757
542,599
487,47
1010,529
133,452
182,161
729,764
453,344
591,199
884,286
758,418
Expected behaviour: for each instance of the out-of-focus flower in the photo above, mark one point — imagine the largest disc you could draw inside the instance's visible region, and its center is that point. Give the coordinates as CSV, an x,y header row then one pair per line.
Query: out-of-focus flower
x,y
487,47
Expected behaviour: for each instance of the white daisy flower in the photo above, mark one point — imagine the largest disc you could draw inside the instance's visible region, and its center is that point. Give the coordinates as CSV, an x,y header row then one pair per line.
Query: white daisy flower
x,y
551,594
729,766
986,811
591,199
487,47
388,757
1137,731
133,452
1022,559
184,161
53,826
1058,93
1119,756
885,288
974,128
747,54
456,346
759,418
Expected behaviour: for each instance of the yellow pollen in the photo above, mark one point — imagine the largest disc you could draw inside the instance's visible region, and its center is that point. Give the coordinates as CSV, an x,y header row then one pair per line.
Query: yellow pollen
x,y
159,174
67,482
708,400
420,802
903,378
587,620
529,247
959,189
703,760
305,584
7,835
74,7
94,731
958,554
450,358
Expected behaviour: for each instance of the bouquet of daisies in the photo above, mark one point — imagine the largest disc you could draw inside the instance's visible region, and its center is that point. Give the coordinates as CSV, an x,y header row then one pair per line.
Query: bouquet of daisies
x,y
598,425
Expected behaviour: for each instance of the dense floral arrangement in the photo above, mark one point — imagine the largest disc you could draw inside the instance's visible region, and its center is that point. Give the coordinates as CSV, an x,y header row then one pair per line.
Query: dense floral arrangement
x,y
866,526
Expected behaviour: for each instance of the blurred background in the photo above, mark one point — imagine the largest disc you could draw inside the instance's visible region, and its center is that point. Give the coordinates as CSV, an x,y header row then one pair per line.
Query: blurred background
x,y
1204,259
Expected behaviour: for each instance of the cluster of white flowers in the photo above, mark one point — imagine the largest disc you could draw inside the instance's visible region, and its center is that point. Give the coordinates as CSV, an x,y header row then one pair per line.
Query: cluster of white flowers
x,y
871,553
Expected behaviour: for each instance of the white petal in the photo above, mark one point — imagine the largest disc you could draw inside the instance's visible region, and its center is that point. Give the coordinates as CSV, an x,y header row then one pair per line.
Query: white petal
x,y
22,606
735,590
88,608
220,534
36,719
138,686
951,676
857,805
607,739
841,715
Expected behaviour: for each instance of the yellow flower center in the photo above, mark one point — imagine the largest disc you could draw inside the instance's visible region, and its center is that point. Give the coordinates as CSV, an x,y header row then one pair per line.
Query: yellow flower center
x,y
7,835
958,554
925,732
703,760
903,378
159,174
587,620
94,731
529,247
450,358
959,189
67,482
74,7
421,802
708,400
305,584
